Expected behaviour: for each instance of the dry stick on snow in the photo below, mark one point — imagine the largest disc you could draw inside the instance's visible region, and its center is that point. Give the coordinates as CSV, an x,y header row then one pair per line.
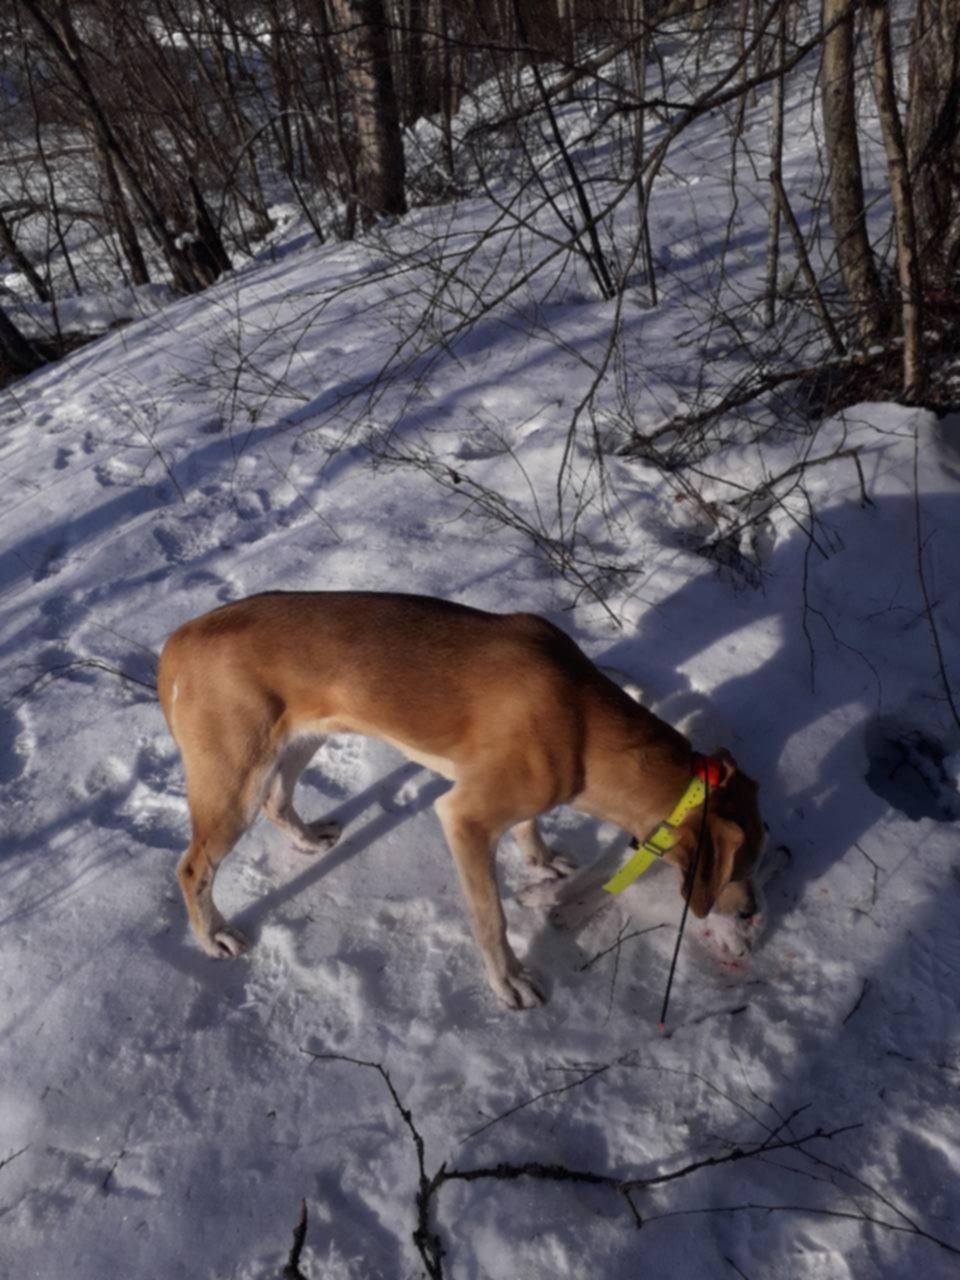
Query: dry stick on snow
x,y
64,669
744,392
13,1155
430,1246
730,1262
617,945
292,1270
859,1001
110,1172
845,1215
427,1242
875,868
528,1102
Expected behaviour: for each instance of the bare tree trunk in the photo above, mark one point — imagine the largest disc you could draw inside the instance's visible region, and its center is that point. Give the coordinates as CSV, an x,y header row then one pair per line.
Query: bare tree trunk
x,y
332,80
804,259
15,350
115,205
20,260
933,138
592,251
448,87
776,173
380,162
846,182
64,45
210,258
415,105
901,195
639,52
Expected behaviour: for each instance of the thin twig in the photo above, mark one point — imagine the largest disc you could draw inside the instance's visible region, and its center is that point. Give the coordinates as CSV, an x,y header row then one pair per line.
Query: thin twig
x,y
528,1102
62,671
814,1211
615,946
859,1001
110,1172
10,1159
430,1246
804,259
292,1270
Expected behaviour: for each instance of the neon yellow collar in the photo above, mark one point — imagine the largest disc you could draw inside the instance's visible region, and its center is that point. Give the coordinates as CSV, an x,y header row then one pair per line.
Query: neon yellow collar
x,y
661,839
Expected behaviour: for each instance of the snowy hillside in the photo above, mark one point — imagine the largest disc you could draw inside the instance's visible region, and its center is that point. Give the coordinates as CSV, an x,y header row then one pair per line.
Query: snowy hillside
x,y
163,1115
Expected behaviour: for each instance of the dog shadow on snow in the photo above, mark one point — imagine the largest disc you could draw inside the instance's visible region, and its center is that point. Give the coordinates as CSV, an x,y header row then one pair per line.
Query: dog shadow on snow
x,y
847,682
385,804
885,721
885,1067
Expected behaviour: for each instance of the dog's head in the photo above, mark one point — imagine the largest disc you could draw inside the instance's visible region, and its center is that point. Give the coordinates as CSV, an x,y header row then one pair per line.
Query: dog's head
x,y
730,848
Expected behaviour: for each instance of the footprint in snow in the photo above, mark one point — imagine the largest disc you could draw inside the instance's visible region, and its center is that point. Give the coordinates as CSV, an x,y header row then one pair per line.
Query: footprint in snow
x,y
189,539
51,561
116,472
223,587
60,614
252,504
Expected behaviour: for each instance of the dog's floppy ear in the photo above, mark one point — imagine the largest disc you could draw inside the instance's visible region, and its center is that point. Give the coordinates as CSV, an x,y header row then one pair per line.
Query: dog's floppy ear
x,y
727,766
720,845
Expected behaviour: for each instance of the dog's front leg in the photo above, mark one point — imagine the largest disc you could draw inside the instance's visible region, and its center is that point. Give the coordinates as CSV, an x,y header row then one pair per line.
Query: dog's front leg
x,y
473,846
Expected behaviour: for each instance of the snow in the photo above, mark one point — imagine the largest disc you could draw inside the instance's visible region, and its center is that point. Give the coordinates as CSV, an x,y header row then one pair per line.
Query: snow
x,y
163,1114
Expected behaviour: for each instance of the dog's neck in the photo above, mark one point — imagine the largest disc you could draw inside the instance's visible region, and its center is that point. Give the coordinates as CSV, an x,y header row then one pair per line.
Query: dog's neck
x,y
638,765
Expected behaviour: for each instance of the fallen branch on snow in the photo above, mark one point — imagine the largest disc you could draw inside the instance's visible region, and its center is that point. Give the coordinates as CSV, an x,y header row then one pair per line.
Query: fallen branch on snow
x,y
430,1246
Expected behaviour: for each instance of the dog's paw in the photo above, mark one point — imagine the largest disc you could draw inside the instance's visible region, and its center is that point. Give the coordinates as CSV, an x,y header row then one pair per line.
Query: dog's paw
x,y
539,893
518,989
226,942
558,868
319,836
546,880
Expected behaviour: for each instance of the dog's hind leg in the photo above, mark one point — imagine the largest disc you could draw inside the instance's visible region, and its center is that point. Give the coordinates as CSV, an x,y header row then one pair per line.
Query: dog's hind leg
x,y
226,769
278,805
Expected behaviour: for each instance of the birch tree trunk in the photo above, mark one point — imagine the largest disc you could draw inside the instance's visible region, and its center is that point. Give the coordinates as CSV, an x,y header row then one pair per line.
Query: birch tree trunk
x,y
933,138
901,195
847,215
380,169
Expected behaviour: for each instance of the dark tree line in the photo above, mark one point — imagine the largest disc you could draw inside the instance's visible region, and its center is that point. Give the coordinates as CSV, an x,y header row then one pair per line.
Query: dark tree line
x,y
195,113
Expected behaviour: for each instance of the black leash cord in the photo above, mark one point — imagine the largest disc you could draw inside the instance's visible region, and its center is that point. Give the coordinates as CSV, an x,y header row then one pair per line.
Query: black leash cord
x,y
686,905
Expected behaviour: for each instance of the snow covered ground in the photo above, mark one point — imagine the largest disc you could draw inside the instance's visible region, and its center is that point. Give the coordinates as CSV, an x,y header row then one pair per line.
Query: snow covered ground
x,y
162,1115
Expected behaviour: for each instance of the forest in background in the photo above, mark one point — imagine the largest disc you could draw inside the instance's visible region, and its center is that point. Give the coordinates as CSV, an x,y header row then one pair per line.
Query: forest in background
x,y
169,127
149,145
